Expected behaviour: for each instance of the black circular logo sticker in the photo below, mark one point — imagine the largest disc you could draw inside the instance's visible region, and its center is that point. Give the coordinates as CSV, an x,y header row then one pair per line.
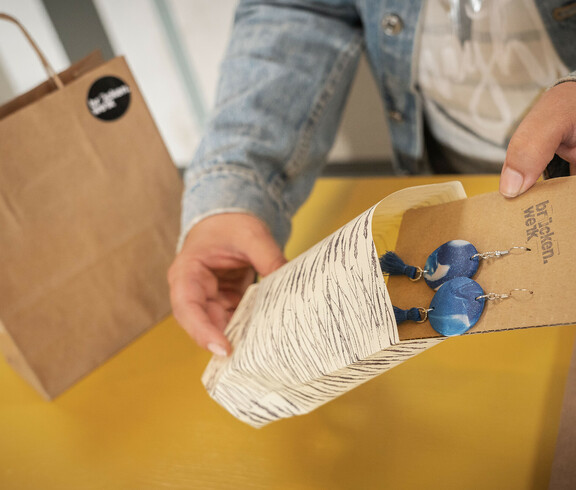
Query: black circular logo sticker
x,y
108,98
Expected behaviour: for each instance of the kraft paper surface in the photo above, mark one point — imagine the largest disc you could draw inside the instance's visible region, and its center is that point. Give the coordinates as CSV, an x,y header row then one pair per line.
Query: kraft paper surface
x,y
542,219
89,212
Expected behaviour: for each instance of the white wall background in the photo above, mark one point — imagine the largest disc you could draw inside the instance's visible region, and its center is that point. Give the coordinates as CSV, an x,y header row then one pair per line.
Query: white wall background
x,y
19,66
179,104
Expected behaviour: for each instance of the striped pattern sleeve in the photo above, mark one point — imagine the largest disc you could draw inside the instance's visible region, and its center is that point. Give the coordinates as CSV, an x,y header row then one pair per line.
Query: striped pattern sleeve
x,y
320,325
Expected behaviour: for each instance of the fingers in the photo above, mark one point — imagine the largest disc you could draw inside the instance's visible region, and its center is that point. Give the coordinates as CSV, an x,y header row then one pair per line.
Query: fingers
x,y
547,129
194,295
203,319
213,270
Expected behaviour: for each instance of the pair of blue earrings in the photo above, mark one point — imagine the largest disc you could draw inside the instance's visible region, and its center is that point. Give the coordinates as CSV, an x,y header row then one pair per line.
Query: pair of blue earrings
x,y
459,300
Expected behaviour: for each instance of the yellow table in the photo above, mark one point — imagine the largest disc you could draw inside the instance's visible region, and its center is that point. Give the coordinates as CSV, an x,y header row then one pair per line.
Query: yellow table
x,y
477,412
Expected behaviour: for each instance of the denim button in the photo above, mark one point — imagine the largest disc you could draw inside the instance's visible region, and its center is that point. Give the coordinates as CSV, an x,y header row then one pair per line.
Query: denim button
x,y
392,24
396,116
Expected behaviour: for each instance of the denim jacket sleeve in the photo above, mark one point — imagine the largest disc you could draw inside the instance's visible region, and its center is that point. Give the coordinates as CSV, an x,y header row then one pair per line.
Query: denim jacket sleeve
x,y
571,77
283,84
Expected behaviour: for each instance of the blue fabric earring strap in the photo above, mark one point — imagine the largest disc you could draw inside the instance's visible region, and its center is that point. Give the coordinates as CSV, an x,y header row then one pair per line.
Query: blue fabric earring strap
x,y
409,315
393,265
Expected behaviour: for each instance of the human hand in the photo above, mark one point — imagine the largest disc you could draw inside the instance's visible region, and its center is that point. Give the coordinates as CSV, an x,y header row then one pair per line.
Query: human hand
x,y
549,127
218,261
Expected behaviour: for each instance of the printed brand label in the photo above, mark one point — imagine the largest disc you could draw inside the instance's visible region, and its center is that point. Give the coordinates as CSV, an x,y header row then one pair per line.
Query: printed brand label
x,y
108,98
538,222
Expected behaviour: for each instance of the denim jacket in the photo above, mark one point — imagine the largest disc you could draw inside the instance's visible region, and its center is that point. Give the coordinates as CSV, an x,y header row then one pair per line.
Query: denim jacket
x,y
283,85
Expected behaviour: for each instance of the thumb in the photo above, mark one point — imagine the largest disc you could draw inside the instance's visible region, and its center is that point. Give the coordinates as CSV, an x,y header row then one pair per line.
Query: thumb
x,y
265,255
526,159
544,131
530,150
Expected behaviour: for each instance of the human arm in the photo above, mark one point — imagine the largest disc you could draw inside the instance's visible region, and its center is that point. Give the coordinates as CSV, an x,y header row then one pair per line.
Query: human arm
x,y
283,85
549,128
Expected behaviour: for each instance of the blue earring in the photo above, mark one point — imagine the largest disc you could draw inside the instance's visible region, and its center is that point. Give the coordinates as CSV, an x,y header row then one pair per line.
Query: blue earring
x,y
455,308
456,258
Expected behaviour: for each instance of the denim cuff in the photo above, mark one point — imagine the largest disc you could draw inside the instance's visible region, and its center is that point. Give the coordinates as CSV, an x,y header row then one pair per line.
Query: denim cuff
x,y
231,190
571,77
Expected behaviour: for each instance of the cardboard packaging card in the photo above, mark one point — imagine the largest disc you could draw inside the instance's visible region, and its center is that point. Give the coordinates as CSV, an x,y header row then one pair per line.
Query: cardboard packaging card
x,y
542,219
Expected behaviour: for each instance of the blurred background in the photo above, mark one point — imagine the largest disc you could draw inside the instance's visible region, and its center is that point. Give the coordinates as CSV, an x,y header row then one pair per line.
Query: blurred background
x,y
174,48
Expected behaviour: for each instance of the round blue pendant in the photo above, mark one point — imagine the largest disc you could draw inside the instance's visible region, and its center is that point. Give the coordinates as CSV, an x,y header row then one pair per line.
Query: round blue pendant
x,y
453,259
454,308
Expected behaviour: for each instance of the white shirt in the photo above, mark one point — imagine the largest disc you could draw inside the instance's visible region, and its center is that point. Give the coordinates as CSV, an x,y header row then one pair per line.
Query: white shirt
x,y
482,64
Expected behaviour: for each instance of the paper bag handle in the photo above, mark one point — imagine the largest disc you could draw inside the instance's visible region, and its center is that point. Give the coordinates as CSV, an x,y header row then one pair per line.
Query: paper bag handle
x,y
47,66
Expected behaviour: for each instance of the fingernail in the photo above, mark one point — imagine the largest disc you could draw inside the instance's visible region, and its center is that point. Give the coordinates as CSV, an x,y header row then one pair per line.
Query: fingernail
x,y
217,349
511,182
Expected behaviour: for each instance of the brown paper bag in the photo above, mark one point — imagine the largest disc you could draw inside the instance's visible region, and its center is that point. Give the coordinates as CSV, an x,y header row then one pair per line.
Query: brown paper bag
x,y
89,207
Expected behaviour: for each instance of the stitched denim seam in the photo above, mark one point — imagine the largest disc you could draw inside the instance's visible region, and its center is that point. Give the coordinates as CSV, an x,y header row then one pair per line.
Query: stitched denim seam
x,y
323,98
226,169
245,173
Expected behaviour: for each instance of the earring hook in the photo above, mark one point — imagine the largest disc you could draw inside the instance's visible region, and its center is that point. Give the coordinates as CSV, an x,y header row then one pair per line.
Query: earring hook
x,y
499,253
495,296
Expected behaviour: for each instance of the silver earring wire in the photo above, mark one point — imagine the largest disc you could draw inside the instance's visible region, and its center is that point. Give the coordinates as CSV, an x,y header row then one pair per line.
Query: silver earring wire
x,y
500,253
496,296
